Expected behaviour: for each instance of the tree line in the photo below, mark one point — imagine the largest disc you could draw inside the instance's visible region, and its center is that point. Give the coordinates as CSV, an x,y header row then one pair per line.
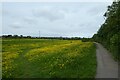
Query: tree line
x,y
15,36
21,36
109,32
61,38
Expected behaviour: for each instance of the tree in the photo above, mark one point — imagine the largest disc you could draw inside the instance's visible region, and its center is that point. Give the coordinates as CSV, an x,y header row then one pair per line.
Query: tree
x,y
109,32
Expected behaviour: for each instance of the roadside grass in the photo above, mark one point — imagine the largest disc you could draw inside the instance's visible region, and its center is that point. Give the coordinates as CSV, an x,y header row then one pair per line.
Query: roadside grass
x,y
39,58
0,57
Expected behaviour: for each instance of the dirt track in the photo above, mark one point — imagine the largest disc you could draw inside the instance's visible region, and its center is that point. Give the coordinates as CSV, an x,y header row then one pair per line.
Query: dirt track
x,y
106,66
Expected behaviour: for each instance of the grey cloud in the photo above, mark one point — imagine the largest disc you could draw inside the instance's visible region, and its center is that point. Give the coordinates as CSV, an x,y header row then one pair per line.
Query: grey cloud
x,y
16,25
30,20
71,19
51,15
85,24
96,10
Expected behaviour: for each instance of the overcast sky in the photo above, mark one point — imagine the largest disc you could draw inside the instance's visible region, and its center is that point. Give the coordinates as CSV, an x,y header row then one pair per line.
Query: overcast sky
x,y
66,19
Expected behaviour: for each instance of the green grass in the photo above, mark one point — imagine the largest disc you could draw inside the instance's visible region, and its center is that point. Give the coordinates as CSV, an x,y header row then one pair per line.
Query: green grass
x,y
43,58
0,57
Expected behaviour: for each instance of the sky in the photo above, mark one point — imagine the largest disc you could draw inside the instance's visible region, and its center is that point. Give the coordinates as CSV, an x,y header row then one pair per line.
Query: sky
x,y
52,19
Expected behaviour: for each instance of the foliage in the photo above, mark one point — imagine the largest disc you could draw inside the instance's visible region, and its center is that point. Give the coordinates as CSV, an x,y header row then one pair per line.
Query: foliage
x,y
109,33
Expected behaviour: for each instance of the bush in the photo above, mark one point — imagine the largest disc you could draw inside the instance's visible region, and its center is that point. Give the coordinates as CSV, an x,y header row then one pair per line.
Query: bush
x,y
114,46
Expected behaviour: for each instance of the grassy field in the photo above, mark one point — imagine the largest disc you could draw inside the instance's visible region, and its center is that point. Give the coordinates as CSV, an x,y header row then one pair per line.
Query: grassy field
x,y
43,58
0,57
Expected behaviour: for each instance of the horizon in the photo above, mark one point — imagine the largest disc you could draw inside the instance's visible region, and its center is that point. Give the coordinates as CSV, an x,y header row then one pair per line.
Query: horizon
x,y
43,36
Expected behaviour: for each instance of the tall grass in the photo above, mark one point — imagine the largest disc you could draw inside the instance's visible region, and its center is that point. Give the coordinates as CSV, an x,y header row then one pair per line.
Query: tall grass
x,y
0,57
36,58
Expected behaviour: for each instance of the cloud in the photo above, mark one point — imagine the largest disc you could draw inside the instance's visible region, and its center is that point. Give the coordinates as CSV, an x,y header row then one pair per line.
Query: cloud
x,y
97,9
49,14
56,0
53,19
16,25
30,20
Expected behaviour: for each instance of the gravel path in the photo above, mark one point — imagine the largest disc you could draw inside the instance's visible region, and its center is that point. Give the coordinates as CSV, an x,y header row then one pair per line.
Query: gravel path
x,y
106,66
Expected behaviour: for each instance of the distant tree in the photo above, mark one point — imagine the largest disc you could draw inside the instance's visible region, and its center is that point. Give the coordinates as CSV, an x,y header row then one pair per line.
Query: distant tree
x,y
28,36
4,36
9,36
15,36
21,36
